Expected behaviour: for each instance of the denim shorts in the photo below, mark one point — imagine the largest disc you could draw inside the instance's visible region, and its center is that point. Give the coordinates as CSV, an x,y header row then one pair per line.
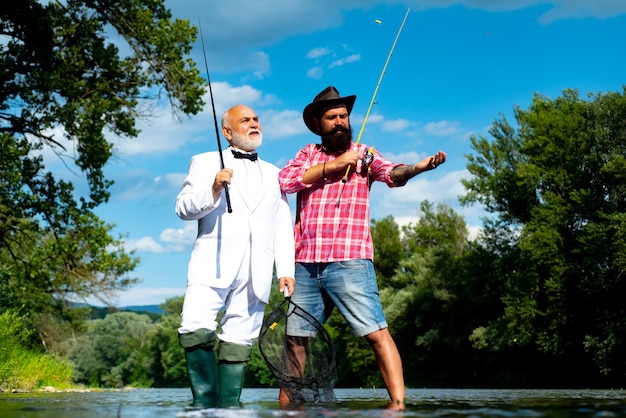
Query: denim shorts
x,y
348,285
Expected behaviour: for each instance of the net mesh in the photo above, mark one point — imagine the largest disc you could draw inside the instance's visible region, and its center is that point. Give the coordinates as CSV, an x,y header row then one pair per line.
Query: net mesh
x,y
299,353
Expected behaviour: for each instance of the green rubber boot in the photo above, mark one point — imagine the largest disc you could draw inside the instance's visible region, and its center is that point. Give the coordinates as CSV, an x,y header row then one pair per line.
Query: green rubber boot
x,y
202,369
231,383
232,366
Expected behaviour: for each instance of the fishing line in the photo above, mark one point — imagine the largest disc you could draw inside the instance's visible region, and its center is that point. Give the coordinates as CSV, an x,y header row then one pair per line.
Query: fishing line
x,y
380,79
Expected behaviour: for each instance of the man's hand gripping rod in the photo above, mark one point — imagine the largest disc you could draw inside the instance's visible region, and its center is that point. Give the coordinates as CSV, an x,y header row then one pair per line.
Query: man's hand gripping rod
x,y
380,79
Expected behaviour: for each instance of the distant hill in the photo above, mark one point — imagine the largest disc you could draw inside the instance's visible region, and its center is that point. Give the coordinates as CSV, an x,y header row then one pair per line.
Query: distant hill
x,y
143,308
101,311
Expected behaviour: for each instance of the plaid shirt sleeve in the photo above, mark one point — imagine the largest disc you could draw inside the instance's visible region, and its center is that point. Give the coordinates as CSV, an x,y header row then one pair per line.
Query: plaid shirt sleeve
x,y
332,219
290,176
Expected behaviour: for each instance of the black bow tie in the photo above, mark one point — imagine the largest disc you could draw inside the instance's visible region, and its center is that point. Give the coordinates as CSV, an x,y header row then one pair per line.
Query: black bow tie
x,y
251,157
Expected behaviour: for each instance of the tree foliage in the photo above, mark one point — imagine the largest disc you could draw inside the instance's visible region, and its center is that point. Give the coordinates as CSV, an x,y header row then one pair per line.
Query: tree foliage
x,y
557,184
423,297
164,358
65,87
388,248
109,353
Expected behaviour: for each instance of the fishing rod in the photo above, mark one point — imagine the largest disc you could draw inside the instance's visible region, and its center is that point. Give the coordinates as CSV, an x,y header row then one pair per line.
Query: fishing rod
x,y
217,131
380,79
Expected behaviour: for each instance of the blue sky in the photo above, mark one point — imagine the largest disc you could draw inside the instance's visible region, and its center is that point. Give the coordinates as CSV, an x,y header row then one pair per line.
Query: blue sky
x,y
456,67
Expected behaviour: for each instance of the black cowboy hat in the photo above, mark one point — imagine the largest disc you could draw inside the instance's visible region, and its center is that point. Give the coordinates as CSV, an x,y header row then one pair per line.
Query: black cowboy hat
x,y
328,98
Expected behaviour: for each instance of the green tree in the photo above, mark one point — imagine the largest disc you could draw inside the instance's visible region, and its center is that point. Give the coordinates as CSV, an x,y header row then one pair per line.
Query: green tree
x,y
388,249
164,357
421,301
557,183
64,86
109,354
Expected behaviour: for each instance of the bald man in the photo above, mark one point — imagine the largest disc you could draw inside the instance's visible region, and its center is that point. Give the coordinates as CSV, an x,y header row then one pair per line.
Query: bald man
x,y
233,257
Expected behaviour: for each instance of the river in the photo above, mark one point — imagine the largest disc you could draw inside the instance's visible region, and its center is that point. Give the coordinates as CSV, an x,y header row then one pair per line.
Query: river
x,y
261,403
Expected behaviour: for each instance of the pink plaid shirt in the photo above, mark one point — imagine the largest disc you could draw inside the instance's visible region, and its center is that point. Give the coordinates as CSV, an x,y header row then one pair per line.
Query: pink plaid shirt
x,y
333,217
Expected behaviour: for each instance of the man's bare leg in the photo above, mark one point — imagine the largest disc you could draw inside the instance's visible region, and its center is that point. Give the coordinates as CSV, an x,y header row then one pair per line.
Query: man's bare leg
x,y
296,358
283,398
390,365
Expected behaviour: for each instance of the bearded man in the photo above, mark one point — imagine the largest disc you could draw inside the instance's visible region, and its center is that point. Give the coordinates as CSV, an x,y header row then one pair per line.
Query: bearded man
x,y
334,248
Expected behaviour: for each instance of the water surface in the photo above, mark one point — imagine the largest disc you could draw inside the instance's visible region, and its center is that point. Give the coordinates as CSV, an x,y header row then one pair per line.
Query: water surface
x,y
261,403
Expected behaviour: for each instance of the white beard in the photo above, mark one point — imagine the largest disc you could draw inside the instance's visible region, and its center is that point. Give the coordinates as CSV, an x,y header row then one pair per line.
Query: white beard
x,y
245,142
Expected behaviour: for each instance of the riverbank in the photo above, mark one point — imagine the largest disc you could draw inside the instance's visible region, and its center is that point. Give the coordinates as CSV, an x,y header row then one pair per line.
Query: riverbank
x,y
52,389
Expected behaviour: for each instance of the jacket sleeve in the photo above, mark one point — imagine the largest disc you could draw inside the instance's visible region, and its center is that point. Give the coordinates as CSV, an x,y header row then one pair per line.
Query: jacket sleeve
x,y
195,199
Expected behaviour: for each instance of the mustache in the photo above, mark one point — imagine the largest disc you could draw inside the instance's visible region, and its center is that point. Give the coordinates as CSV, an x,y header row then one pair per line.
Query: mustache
x,y
340,129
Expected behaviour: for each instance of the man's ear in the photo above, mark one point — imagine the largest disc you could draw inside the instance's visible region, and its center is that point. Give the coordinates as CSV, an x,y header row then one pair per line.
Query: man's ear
x,y
227,133
318,124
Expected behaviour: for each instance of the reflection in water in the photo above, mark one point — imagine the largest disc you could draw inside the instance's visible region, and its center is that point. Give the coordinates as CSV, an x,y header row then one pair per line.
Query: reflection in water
x,y
261,403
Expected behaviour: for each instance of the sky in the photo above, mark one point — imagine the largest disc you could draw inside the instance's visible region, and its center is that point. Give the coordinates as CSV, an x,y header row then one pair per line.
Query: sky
x,y
457,66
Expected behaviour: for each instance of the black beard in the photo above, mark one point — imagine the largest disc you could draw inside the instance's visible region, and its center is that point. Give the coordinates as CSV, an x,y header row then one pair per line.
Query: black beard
x,y
337,141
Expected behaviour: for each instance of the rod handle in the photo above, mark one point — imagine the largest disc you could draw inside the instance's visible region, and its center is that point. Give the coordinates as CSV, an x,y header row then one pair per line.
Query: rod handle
x,y
227,195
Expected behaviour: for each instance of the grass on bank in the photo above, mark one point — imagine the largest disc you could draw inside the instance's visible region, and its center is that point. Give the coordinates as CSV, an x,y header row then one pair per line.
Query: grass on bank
x,y
22,368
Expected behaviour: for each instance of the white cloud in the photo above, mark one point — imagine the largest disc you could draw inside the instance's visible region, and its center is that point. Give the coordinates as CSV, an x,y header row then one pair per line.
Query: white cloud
x,y
171,240
144,245
406,220
581,9
316,53
409,157
280,124
559,9
442,189
474,232
315,73
170,180
162,133
395,125
132,185
442,128
229,48
372,118
343,61
258,63
403,202
178,239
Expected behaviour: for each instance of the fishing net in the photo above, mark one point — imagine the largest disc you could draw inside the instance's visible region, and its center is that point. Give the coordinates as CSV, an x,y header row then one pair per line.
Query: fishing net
x,y
299,353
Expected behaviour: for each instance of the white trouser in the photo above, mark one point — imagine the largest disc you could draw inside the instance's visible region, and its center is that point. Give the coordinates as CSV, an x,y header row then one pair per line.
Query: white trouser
x,y
243,311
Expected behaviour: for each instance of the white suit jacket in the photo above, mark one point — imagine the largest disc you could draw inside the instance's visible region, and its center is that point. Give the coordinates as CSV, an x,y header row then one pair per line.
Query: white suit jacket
x,y
222,237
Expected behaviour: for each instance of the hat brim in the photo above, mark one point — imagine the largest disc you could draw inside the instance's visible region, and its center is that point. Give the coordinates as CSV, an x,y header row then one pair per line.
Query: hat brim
x,y
313,109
